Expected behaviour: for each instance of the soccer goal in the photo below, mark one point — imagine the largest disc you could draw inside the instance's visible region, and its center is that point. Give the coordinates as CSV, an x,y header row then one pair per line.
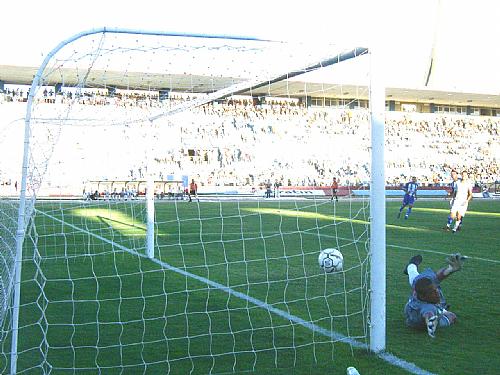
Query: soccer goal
x,y
106,268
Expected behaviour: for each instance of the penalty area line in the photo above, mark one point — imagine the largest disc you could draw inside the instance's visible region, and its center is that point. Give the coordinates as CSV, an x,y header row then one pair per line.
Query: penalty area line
x,y
431,251
443,253
385,356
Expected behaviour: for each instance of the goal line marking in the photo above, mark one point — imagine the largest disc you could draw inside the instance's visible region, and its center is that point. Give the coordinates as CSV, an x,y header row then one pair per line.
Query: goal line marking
x,y
387,357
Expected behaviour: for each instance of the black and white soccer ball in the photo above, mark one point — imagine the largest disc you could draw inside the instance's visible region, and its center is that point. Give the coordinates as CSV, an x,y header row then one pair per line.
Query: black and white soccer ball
x,y
331,260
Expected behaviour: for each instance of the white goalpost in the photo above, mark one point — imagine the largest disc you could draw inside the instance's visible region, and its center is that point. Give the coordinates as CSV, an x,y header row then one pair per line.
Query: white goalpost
x,y
110,263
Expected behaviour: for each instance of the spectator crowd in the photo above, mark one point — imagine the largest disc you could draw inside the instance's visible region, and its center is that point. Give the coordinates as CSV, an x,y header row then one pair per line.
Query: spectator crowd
x,y
240,142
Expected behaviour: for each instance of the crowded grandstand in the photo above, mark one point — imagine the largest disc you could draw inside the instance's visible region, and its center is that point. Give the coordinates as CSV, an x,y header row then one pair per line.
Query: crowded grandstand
x,y
246,142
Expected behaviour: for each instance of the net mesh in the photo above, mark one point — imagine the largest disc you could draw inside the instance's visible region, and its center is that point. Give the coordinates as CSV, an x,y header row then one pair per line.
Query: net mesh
x,y
234,284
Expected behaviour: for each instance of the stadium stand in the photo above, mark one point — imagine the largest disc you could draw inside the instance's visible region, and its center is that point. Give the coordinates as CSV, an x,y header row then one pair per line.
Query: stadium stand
x,y
235,143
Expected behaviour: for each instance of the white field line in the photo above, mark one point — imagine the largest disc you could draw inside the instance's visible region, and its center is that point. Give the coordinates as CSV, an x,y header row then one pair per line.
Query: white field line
x,y
443,253
313,232
387,357
416,250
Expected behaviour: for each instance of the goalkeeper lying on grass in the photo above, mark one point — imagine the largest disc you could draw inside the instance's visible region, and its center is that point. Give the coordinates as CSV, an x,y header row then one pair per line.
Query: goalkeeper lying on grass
x,y
427,307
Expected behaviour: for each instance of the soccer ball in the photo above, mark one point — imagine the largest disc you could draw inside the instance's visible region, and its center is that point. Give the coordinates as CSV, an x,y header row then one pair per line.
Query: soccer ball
x,y
331,260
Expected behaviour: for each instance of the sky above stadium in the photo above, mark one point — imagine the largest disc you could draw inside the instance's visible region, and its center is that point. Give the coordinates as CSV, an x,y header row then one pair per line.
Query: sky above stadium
x,y
463,33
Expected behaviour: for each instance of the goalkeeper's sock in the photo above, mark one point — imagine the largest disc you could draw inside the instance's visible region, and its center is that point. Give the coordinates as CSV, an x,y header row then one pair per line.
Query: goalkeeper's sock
x,y
450,220
414,260
457,224
412,272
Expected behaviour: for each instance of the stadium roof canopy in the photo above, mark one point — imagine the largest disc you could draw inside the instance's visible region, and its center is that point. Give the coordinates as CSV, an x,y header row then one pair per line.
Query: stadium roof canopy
x,y
22,75
135,80
441,51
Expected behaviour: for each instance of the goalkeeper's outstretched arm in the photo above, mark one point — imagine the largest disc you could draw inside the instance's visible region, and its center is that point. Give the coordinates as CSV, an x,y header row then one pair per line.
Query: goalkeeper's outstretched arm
x,y
455,263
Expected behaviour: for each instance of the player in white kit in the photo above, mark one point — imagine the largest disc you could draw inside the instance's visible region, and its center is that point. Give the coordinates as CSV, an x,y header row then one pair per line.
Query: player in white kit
x,y
461,201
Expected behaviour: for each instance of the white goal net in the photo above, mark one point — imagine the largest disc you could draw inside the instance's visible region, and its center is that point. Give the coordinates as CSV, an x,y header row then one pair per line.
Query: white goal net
x,y
125,269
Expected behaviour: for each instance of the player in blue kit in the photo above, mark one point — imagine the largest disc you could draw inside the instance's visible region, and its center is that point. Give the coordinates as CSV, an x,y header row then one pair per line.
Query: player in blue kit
x,y
427,308
409,197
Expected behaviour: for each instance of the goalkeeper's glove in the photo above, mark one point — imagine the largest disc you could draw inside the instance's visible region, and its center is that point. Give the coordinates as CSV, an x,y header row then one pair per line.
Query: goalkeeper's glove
x,y
456,261
431,324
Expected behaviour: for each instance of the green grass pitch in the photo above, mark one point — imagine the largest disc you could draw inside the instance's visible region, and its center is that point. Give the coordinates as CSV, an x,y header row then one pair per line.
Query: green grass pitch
x,y
110,311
